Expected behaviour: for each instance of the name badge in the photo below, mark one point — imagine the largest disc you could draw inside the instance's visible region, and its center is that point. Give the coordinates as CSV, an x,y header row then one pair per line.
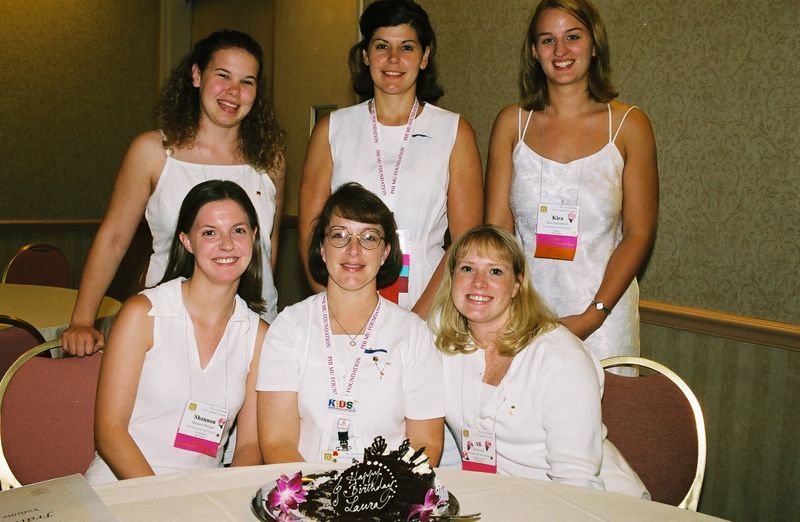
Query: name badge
x,y
400,285
342,404
557,231
343,445
201,428
478,451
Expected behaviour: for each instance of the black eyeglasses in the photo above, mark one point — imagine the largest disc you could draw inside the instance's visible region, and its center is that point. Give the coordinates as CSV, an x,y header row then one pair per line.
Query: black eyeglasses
x,y
368,239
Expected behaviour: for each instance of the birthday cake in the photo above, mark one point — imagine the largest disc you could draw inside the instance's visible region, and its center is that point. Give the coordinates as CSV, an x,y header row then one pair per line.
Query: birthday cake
x,y
388,485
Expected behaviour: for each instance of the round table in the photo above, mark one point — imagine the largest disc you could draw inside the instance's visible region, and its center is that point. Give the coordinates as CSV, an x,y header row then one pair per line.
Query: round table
x,y
49,308
225,494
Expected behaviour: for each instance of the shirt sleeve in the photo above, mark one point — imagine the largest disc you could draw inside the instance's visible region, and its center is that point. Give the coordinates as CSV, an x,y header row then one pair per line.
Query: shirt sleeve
x,y
278,368
570,405
423,376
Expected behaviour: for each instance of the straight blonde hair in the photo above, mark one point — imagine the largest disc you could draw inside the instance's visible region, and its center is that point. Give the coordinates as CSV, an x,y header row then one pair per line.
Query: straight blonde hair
x,y
529,317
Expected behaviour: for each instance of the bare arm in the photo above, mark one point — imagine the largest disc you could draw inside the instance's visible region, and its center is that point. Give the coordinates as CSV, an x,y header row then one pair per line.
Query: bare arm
x,y
130,339
247,451
279,427
639,220
499,168
315,188
140,166
428,434
279,180
464,202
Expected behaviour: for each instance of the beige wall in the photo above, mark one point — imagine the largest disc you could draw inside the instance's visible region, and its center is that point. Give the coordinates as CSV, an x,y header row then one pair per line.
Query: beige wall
x,y
79,80
254,17
312,38
723,101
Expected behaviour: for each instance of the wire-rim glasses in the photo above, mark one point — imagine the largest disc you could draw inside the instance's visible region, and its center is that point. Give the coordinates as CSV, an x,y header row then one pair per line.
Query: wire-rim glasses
x,y
340,238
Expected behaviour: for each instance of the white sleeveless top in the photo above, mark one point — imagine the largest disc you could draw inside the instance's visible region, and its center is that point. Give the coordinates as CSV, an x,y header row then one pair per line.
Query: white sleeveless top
x,y
420,204
176,180
595,184
171,374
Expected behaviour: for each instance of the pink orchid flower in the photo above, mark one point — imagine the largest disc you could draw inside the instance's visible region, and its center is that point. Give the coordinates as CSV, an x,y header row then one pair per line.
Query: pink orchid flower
x,y
287,494
432,502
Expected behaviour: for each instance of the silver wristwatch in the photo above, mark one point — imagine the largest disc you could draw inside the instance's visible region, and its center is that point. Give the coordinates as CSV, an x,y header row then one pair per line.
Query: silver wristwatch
x,y
600,306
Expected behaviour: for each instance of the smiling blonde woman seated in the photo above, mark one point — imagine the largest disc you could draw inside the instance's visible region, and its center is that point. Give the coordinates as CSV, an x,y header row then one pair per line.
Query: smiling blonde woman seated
x,y
521,390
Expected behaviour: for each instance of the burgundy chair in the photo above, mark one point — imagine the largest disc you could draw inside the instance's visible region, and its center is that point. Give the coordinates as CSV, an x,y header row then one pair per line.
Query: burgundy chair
x,y
38,264
656,423
18,338
47,417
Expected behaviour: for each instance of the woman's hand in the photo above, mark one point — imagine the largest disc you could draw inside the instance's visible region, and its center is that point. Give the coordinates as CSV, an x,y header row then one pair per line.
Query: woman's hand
x,y
82,340
583,325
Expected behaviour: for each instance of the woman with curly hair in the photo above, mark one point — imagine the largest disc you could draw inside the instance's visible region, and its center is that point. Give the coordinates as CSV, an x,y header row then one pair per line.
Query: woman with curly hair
x,y
216,122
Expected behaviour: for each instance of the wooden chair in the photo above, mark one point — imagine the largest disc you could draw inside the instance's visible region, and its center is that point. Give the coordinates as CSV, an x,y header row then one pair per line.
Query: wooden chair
x,y
46,417
38,264
15,340
657,424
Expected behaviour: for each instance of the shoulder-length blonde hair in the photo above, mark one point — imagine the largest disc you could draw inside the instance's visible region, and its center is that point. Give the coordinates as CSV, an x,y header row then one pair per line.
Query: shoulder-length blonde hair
x,y
529,316
532,80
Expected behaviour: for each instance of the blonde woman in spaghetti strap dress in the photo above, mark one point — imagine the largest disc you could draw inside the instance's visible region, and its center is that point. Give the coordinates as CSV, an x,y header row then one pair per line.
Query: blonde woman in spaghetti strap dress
x,y
216,123
573,172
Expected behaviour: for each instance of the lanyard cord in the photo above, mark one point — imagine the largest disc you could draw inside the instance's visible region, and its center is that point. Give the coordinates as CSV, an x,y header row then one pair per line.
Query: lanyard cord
x,y
375,139
326,332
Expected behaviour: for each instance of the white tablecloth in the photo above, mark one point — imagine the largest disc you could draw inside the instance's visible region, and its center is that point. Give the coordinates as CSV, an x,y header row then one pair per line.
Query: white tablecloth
x,y
225,494
49,308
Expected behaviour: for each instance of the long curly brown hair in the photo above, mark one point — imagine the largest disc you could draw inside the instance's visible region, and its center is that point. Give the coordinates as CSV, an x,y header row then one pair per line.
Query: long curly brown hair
x,y
178,109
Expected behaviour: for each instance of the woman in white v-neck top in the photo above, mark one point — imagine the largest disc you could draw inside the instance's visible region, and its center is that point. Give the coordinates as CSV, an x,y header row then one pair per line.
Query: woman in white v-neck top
x,y
181,361
216,122
569,151
422,161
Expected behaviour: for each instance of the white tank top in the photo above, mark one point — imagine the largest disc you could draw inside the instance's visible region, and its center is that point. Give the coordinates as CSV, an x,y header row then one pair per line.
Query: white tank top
x,y
420,204
176,180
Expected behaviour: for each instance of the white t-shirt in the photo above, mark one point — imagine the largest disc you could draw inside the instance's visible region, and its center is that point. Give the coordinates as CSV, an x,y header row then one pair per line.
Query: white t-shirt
x,y
294,359
545,414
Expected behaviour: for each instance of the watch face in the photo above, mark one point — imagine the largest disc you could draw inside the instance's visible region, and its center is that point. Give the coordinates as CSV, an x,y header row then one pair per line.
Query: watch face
x,y
599,306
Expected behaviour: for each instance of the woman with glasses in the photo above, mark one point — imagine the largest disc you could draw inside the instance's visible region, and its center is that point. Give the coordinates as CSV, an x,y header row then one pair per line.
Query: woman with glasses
x,y
347,365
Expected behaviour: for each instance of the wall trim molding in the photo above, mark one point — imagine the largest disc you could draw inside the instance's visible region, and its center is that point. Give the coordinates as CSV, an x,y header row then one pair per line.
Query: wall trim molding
x,y
719,324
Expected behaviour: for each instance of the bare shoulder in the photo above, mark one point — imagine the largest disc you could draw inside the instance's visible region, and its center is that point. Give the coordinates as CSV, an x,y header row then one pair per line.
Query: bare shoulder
x,y
509,116
146,155
636,120
148,143
135,308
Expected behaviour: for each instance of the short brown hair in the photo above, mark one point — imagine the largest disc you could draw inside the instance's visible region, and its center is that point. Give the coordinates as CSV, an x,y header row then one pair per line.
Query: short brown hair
x,y
354,202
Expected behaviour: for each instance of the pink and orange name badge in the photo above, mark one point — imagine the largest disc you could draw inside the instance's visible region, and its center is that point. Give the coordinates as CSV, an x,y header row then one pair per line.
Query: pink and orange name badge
x,y
557,231
478,451
201,428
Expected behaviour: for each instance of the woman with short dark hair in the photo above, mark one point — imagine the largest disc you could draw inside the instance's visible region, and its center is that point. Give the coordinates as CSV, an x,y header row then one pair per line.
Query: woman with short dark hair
x,y
347,365
422,161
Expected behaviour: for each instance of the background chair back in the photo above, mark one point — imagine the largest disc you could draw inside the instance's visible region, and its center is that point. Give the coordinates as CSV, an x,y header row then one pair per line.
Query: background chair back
x,y
656,423
38,264
15,340
47,417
